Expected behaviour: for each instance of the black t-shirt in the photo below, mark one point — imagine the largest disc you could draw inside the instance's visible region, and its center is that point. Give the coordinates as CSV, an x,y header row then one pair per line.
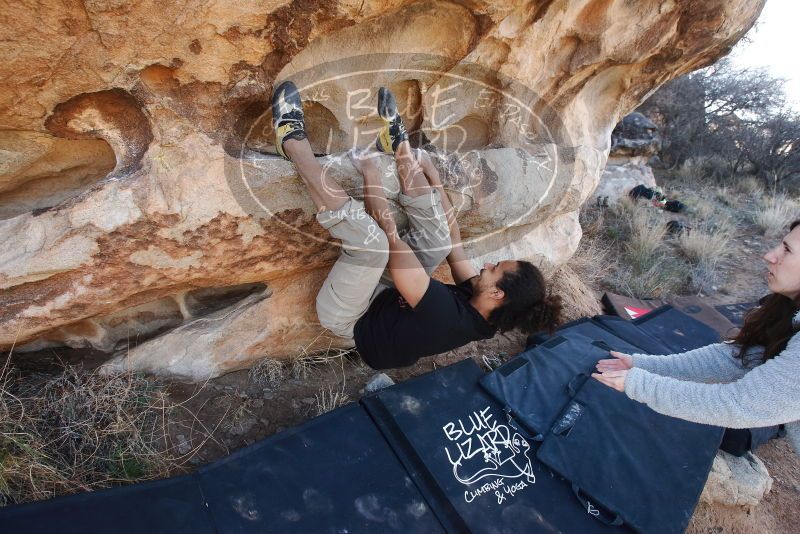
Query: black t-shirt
x,y
393,334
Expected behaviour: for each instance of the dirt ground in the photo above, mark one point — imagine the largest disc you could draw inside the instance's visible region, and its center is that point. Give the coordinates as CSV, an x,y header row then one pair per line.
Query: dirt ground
x,y
233,411
236,411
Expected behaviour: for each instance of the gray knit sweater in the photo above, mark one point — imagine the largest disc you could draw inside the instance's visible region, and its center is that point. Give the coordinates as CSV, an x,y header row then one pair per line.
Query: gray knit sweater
x,y
710,385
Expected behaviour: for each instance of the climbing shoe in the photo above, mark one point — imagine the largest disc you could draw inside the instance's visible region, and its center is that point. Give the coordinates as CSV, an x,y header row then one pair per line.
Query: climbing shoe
x,y
287,115
394,131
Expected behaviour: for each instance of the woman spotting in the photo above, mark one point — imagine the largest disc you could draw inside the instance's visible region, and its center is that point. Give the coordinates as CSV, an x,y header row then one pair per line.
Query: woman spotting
x,y
748,382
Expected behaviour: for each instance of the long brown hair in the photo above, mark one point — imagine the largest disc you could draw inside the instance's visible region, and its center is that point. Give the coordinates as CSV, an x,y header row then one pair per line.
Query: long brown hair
x,y
769,325
527,304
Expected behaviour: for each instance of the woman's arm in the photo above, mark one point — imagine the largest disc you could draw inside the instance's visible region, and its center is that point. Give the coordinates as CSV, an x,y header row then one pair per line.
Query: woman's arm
x,y
460,266
767,395
712,363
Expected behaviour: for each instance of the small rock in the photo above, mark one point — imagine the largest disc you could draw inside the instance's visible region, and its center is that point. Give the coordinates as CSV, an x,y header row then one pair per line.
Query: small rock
x,y
737,481
308,401
378,382
257,403
264,421
243,426
183,445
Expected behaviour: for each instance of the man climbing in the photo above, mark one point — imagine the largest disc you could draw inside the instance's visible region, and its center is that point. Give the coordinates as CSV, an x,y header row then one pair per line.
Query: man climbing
x,y
397,317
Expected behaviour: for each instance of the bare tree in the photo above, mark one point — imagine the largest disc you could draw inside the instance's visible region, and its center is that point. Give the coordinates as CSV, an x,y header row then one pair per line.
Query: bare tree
x,y
678,110
773,147
713,113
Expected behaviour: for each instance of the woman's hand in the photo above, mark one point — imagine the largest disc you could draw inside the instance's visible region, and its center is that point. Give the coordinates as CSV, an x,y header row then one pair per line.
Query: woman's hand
x,y
614,371
619,362
613,379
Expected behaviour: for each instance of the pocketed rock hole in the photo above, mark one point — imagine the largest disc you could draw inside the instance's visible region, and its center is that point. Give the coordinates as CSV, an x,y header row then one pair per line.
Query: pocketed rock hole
x,y
126,328
39,171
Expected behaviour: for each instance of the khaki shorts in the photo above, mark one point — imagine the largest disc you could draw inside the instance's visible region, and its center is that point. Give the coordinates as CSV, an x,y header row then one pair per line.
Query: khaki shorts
x,y
360,273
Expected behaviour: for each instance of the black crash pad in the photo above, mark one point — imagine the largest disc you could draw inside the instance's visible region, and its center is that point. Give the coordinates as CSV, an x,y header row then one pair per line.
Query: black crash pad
x,y
735,312
459,448
630,332
678,331
160,507
646,467
534,386
696,307
333,474
591,329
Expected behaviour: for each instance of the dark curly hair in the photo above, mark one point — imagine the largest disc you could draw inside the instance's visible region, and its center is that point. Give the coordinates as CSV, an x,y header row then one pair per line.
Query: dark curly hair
x,y
527,304
769,325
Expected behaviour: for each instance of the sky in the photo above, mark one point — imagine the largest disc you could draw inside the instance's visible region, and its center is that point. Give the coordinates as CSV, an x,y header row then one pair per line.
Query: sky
x,y
775,44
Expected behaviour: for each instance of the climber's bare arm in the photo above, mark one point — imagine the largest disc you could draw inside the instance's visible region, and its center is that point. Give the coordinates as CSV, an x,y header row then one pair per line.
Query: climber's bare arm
x,y
407,272
460,266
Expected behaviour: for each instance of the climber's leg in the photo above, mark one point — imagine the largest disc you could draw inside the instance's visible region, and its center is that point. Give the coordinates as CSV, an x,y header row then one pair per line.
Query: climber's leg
x,y
428,232
325,191
347,291
292,143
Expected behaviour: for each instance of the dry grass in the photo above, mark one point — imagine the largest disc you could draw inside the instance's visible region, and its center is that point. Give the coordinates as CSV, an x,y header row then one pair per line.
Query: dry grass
x,y
308,359
329,399
692,171
663,277
645,263
748,186
706,243
624,249
703,209
644,245
591,261
234,421
577,297
268,373
79,431
773,214
705,277
726,196
705,247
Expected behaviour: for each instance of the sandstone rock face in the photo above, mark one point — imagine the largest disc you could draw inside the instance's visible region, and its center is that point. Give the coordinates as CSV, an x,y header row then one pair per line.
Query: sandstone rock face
x,y
737,481
620,176
635,135
633,141
135,137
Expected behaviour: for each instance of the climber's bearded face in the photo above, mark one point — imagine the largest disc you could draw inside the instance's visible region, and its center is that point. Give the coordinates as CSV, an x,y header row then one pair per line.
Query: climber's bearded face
x,y
490,275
